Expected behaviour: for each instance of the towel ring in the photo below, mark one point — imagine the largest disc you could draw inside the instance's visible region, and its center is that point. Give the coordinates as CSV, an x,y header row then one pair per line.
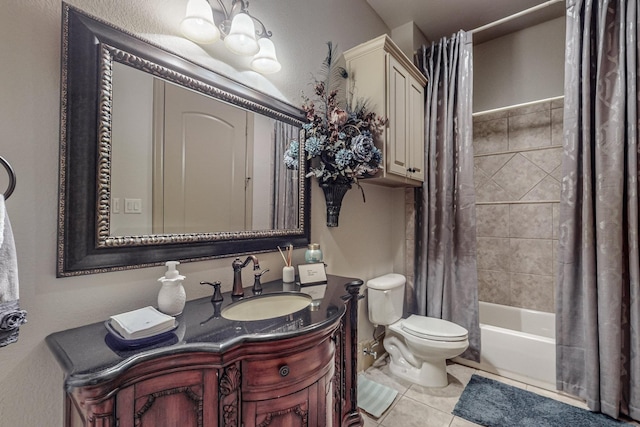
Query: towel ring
x,y
12,178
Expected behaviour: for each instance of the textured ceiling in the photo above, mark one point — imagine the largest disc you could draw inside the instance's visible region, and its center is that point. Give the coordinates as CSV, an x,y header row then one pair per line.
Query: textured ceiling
x,y
440,18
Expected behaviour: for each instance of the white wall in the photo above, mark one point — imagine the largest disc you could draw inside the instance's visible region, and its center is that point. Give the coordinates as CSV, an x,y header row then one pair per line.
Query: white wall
x,y
521,67
132,150
31,393
409,38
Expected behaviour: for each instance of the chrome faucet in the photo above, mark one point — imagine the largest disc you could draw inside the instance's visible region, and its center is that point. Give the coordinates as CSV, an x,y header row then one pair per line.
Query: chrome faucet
x,y
238,265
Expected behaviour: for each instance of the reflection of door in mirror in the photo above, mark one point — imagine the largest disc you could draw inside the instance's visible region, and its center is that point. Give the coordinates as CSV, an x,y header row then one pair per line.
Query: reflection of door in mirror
x,y
183,162
204,165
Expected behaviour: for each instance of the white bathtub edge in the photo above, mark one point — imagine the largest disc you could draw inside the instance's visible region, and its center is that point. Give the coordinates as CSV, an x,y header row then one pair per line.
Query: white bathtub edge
x,y
507,374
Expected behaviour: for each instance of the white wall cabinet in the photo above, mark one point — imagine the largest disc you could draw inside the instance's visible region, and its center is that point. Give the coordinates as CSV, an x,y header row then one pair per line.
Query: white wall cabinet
x,y
394,88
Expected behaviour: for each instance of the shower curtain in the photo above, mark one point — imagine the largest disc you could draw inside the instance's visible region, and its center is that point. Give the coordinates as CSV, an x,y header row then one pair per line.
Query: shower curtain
x,y
446,277
598,293
285,189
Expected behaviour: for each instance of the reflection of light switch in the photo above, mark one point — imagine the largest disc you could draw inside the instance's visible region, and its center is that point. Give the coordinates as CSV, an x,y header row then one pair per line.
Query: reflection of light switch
x,y
115,205
132,206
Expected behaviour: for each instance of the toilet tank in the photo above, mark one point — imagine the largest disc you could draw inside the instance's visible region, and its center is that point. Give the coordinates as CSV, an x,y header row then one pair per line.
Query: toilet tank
x,y
386,298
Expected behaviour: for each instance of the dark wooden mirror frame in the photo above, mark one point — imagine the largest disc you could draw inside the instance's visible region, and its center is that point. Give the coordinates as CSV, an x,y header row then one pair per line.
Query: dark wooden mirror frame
x,y
89,46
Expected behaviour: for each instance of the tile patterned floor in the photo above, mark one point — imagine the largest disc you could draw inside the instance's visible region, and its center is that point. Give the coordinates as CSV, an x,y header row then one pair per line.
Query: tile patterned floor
x,y
417,406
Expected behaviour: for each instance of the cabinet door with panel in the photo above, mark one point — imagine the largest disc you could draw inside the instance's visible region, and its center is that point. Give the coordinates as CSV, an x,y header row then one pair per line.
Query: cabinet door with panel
x,y
185,399
394,87
289,389
293,410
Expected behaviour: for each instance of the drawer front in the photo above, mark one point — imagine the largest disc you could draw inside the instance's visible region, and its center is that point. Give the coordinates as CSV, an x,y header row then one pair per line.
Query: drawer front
x,y
278,371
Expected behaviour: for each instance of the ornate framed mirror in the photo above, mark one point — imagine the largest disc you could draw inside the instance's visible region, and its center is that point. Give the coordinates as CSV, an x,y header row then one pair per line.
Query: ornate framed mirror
x,y
163,159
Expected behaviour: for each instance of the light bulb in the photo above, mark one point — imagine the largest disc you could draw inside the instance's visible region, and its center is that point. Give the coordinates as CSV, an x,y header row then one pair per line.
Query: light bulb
x,y
242,36
198,24
265,61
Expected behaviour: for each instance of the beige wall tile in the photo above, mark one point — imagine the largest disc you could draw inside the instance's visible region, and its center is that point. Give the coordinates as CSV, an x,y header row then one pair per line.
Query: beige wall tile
x,y
531,256
492,192
492,220
493,253
556,220
557,174
531,220
547,189
557,118
530,130
409,196
531,174
490,136
532,291
491,164
483,117
556,264
557,103
547,159
479,177
518,176
531,108
494,286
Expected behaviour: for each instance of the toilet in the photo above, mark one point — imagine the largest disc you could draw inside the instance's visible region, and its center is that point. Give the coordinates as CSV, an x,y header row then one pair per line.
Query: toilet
x,y
418,346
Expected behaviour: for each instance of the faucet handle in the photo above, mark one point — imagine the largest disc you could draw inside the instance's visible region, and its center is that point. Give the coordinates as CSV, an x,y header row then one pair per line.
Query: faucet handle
x,y
257,286
217,295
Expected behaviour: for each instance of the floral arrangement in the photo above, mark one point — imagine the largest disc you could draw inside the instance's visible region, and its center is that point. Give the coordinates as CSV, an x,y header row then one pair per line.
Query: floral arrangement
x,y
338,135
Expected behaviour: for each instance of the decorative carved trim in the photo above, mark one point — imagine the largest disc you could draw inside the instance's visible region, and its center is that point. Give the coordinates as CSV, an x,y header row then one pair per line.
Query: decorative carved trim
x,y
351,414
229,387
104,419
230,381
194,397
298,410
62,165
104,145
338,380
108,54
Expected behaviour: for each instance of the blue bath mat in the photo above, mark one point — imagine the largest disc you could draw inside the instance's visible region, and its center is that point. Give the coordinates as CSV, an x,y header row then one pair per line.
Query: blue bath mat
x,y
493,404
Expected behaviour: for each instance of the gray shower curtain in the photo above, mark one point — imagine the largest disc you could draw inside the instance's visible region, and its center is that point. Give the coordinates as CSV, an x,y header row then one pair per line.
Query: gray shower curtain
x,y
285,189
598,293
446,277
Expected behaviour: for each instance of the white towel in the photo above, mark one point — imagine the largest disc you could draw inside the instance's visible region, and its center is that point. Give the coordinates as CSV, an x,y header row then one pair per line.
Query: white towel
x,y
11,317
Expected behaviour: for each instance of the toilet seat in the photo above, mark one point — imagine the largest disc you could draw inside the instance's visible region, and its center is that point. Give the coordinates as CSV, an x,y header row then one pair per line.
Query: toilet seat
x,y
434,329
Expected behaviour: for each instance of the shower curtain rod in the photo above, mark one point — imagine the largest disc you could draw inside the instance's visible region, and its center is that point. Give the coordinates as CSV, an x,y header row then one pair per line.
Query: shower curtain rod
x,y
514,16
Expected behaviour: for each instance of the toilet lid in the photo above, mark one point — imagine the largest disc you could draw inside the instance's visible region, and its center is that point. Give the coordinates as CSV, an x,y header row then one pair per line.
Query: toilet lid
x,y
434,329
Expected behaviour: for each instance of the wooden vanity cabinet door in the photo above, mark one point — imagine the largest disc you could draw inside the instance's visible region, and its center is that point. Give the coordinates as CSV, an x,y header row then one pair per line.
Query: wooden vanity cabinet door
x,y
178,399
305,408
289,389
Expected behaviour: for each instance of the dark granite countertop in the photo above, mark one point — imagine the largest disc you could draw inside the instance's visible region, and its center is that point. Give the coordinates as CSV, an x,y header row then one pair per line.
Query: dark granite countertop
x,y
89,355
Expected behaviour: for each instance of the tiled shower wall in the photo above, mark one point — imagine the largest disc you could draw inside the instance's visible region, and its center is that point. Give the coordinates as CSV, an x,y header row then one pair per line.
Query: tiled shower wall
x,y
517,173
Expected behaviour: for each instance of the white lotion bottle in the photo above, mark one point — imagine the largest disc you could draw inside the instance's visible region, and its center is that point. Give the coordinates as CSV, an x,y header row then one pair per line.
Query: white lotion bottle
x,y
172,297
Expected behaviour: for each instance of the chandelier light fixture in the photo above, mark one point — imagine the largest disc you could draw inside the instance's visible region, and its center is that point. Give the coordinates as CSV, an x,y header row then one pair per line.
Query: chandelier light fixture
x,y
238,29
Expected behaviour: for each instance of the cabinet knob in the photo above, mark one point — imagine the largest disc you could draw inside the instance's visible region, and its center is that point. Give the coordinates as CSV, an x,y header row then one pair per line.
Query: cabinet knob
x,y
284,371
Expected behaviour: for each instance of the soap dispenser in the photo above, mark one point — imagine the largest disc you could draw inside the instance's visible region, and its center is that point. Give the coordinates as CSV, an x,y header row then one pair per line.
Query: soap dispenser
x,y
172,297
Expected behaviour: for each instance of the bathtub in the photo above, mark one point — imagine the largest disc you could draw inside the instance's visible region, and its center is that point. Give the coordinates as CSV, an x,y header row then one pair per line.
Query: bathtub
x,y
518,344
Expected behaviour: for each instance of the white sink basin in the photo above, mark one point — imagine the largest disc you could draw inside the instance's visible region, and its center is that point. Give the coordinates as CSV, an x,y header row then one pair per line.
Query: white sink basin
x,y
266,306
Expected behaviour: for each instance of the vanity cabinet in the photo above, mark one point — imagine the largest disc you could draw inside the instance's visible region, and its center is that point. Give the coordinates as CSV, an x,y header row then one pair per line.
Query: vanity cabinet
x,y
289,389
393,87
180,398
299,370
